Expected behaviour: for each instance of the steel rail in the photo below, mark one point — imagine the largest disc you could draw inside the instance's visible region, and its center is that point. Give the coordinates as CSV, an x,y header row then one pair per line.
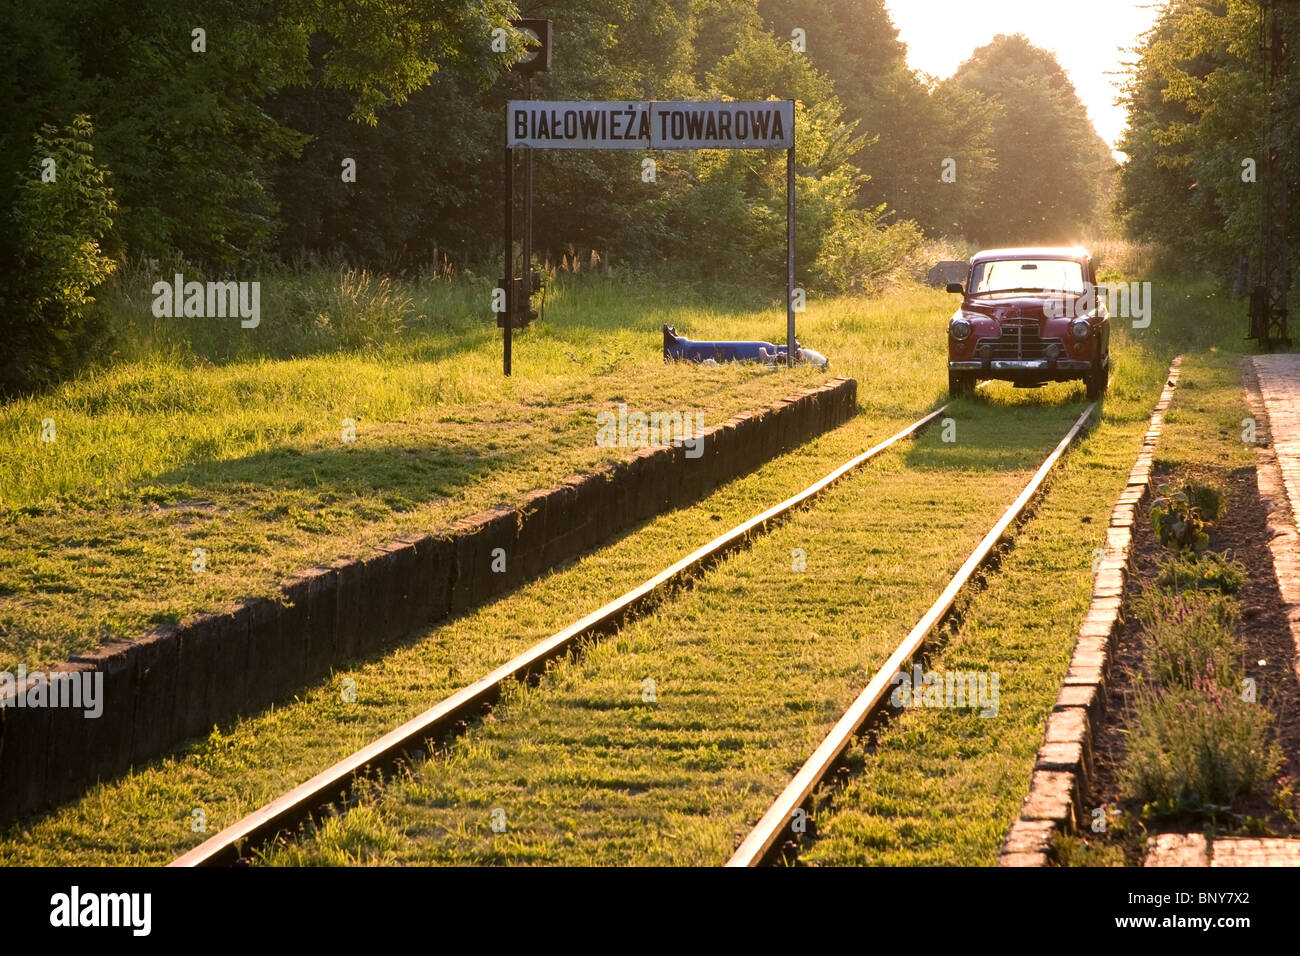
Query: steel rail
x,y
766,836
330,785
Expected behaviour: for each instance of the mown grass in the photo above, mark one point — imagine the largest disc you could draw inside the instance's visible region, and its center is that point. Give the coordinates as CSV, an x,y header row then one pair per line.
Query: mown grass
x,y
145,816
749,669
180,445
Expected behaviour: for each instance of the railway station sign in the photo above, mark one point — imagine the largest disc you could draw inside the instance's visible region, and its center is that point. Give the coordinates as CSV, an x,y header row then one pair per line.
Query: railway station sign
x,y
644,124
558,124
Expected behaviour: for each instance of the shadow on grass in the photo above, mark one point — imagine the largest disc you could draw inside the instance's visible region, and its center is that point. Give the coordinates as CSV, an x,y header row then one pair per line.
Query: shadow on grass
x,y
987,434
401,476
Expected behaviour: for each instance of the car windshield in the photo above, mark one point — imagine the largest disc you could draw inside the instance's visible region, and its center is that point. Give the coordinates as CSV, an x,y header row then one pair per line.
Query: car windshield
x,y
1028,275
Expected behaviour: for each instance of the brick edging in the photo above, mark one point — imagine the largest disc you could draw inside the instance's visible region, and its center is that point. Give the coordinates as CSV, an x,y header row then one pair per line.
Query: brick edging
x,y
1064,765
177,681
1284,540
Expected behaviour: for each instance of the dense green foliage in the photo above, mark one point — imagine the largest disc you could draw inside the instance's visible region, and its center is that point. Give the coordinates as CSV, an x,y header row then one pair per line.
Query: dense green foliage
x,y
177,93
1197,111
51,243
237,135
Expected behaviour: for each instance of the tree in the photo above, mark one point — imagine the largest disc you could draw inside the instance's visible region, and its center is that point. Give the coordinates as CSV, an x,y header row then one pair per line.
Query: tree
x,y
54,230
911,126
178,91
1051,165
1195,137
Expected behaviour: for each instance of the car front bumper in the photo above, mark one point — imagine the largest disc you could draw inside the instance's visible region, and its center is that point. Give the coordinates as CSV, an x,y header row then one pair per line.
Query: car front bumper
x,y
1021,365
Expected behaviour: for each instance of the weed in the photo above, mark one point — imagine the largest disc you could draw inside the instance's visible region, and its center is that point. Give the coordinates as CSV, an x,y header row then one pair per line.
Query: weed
x,y
1204,571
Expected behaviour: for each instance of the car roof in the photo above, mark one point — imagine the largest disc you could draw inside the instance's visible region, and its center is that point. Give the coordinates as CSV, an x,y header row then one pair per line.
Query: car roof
x,y
1032,252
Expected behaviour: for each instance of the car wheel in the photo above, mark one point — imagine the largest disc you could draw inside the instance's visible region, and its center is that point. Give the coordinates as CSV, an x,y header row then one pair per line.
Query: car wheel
x,y
960,384
1097,380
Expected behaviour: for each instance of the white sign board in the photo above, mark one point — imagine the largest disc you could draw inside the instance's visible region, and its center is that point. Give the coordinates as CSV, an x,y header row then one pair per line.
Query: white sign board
x,y
542,124
766,124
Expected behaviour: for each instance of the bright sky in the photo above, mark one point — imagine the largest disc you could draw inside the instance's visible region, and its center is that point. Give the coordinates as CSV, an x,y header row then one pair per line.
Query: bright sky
x,y
1092,39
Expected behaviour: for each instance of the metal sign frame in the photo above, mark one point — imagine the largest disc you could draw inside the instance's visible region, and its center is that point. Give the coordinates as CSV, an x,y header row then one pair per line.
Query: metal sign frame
x,y
698,119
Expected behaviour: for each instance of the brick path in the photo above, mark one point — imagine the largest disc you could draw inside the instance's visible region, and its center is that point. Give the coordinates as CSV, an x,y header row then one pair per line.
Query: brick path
x,y
1279,475
1279,382
1177,850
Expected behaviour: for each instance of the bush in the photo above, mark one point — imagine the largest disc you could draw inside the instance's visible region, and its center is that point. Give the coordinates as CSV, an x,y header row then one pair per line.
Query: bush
x,y
52,243
1197,748
1207,498
1183,511
1189,638
1203,571
859,255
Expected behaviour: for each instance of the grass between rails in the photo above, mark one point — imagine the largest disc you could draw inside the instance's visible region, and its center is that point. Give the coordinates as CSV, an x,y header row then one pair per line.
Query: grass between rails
x,y
941,786
145,817
162,454
750,668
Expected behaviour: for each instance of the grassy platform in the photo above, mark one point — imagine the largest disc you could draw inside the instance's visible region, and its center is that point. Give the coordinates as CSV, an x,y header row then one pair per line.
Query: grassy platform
x,y
187,443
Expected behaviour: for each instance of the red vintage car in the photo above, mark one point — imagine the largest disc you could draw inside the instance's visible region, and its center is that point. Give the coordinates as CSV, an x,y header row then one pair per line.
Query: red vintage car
x,y
1029,316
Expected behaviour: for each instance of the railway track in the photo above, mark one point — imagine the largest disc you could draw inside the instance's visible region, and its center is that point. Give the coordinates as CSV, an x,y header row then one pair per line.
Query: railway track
x,y
772,835
313,798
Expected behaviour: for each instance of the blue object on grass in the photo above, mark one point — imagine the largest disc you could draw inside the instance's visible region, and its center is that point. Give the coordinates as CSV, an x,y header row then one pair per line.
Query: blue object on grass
x,y
680,347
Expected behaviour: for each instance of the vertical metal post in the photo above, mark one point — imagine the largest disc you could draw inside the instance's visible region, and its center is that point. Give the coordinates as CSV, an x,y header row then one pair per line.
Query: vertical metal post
x,y
528,229
527,268
526,239
509,260
789,251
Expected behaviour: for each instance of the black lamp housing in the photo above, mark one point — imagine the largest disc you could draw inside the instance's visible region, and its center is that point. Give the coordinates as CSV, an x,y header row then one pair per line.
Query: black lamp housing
x,y
537,34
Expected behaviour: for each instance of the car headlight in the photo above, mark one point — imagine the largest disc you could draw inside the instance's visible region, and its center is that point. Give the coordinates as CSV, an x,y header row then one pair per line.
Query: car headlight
x,y
959,328
1081,328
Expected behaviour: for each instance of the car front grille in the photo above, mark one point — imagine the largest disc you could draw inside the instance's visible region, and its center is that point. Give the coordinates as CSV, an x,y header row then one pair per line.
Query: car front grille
x,y
1020,339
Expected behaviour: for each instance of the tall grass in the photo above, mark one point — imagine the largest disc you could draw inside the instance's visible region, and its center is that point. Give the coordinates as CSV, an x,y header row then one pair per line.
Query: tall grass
x,y
1128,260
304,311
